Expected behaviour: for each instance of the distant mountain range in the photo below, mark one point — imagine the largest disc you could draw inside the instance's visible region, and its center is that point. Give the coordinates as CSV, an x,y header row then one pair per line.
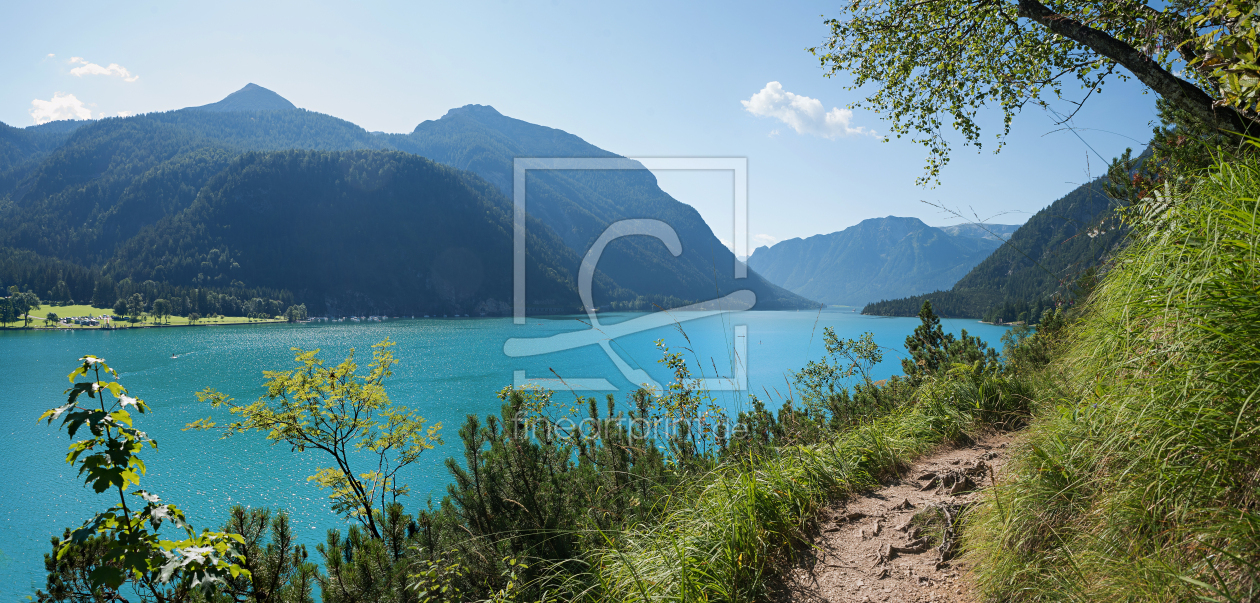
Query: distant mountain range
x,y
1037,268
876,259
252,194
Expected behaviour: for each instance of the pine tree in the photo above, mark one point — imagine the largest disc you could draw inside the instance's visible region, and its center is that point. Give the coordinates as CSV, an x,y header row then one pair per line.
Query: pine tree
x,y
928,346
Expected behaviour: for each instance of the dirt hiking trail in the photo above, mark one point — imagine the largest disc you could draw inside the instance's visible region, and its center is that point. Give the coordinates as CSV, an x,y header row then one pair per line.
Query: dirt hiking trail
x,y
898,543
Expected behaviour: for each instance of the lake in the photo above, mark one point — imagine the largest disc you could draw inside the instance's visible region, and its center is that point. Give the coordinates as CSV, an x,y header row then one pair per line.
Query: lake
x,y
448,369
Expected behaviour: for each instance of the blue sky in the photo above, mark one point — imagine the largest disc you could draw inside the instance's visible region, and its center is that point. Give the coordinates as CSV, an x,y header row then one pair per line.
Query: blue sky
x,y
640,79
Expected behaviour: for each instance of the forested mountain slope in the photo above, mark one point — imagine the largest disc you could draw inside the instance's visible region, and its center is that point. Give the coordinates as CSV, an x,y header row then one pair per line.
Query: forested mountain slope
x,y
110,178
578,205
352,232
1036,268
21,149
875,259
116,198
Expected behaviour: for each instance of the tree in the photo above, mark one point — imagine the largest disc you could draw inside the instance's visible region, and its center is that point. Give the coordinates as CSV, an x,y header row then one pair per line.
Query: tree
x,y
932,349
346,416
135,305
122,543
937,62
820,381
295,313
23,303
120,307
104,293
7,313
51,318
278,568
161,308
927,345
193,317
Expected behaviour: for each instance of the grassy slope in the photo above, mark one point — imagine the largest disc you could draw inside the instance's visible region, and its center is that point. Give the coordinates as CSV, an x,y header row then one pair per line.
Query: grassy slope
x,y
722,538
1142,479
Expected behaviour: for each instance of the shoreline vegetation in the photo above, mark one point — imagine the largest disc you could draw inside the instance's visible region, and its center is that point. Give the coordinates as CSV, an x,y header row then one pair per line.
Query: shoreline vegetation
x,y
37,321
1131,476
666,498
1134,473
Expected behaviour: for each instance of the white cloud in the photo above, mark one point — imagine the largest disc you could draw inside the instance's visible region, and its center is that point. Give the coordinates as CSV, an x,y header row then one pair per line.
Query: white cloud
x,y
86,68
802,113
51,55
62,106
766,240
125,114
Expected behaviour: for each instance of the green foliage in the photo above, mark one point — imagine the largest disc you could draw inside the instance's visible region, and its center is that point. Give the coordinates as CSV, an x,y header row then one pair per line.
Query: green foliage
x,y
1139,483
933,66
344,415
161,309
721,535
122,544
20,303
1027,349
933,351
35,272
821,384
1229,39
437,580
362,568
278,568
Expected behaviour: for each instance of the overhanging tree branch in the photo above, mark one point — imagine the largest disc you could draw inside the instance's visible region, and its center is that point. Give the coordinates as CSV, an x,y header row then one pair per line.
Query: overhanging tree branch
x,y
1181,93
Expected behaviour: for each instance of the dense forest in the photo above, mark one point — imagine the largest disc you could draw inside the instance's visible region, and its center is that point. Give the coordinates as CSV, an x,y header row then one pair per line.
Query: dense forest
x,y
206,198
579,204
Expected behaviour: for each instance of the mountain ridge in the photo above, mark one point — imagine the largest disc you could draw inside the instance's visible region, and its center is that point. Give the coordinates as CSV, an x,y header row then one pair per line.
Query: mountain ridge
x,y
871,260
124,177
1037,268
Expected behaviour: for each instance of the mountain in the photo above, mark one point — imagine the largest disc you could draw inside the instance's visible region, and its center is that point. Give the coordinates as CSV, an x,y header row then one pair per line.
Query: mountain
x,y
353,231
874,259
1038,266
250,98
578,205
142,199
992,232
22,148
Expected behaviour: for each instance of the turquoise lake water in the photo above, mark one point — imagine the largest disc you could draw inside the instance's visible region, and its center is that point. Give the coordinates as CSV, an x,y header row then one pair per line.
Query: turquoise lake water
x,y
448,369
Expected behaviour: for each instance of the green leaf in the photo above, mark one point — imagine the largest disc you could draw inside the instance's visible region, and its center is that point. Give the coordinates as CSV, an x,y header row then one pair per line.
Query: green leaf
x,y
107,575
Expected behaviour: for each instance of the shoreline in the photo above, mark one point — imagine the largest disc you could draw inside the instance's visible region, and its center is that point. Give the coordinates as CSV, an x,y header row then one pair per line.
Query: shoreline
x,y
152,326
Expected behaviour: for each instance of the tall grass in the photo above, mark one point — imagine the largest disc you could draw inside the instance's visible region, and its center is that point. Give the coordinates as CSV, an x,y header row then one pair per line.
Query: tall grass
x,y
720,539
1140,482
